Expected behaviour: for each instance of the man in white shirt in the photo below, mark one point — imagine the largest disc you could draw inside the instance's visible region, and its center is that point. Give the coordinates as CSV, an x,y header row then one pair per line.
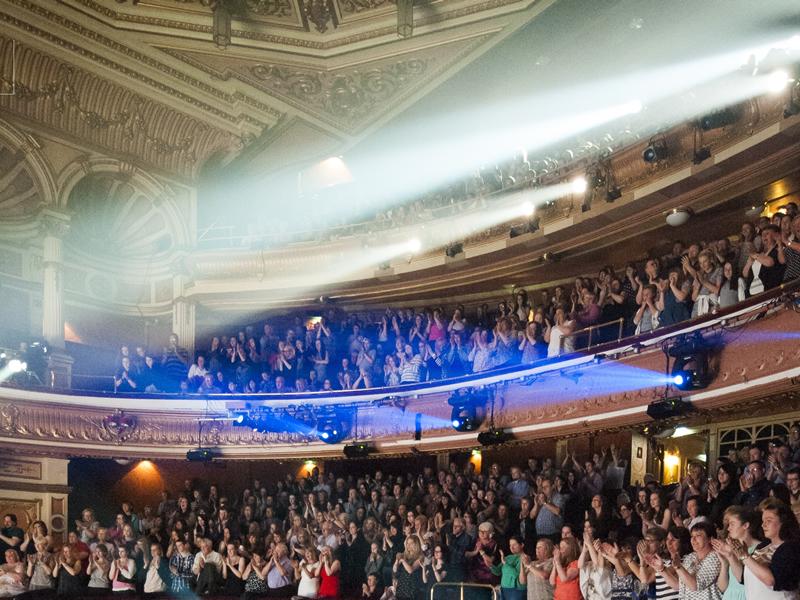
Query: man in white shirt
x,y
207,568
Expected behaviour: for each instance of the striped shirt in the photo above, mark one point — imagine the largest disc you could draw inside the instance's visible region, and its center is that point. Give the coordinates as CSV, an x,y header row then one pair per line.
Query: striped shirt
x,y
792,271
663,591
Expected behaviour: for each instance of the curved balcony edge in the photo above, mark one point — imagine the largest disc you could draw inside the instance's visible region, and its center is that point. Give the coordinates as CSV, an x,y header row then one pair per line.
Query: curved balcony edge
x,y
609,387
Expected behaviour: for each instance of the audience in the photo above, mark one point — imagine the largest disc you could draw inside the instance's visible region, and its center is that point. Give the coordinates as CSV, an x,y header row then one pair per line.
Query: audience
x,y
344,352
382,537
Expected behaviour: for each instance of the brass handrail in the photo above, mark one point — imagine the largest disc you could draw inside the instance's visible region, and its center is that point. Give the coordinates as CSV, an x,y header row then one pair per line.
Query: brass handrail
x,y
461,587
620,321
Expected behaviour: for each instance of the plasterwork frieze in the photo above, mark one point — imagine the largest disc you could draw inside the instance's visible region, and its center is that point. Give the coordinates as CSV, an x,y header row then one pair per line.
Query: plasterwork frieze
x,y
62,96
348,98
275,9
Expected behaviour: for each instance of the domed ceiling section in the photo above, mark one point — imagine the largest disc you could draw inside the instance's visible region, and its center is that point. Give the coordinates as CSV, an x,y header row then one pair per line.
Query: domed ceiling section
x,y
111,217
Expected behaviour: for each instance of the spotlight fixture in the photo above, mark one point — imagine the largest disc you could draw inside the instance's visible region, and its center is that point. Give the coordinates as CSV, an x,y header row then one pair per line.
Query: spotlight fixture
x,y
777,81
465,403
690,367
532,226
656,150
690,372
668,408
718,119
15,365
205,455
494,437
454,250
613,194
333,425
464,418
700,155
359,450
527,209
578,185
414,245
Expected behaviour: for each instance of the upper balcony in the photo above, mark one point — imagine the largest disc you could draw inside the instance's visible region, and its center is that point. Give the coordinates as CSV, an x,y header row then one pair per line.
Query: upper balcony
x,y
751,350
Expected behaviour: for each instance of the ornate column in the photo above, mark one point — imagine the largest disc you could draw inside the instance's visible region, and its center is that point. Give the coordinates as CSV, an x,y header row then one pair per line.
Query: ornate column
x,y
55,226
183,314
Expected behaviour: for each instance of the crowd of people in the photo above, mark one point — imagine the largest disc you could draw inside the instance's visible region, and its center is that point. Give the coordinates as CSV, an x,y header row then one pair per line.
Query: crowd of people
x,y
342,352
540,530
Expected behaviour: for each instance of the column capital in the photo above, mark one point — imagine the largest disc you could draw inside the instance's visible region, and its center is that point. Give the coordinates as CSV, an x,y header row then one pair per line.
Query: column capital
x,y
54,223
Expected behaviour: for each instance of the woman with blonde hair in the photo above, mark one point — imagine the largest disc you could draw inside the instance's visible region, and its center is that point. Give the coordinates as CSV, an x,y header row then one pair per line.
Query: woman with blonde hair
x,y
407,567
538,571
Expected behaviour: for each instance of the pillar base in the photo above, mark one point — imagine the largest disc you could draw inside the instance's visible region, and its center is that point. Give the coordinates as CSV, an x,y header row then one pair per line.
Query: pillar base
x,y
59,369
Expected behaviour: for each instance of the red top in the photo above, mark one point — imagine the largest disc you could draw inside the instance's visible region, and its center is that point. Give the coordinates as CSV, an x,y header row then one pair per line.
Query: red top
x,y
568,590
328,584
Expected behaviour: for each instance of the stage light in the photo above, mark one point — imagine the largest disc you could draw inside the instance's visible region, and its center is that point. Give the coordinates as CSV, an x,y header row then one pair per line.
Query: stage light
x,y
777,81
454,250
656,150
333,425
613,194
414,245
579,185
527,209
359,450
465,418
718,119
668,408
203,454
15,365
690,368
239,419
493,437
701,155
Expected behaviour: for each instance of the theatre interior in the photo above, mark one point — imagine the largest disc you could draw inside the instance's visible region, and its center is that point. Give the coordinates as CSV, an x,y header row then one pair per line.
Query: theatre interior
x,y
400,299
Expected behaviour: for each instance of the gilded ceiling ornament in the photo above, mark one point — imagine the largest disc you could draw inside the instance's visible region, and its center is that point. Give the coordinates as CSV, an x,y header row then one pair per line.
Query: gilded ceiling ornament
x,y
319,13
9,418
349,96
269,8
120,426
356,6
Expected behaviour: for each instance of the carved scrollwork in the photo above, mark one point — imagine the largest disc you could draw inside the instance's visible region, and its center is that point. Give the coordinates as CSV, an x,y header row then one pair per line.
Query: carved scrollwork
x,y
348,96
9,418
357,6
269,8
119,426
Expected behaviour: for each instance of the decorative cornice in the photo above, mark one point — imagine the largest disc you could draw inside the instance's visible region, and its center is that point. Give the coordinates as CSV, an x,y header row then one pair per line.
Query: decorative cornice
x,y
318,14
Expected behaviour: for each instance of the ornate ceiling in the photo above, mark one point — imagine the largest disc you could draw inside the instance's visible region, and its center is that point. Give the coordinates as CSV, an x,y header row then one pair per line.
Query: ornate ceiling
x,y
145,80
